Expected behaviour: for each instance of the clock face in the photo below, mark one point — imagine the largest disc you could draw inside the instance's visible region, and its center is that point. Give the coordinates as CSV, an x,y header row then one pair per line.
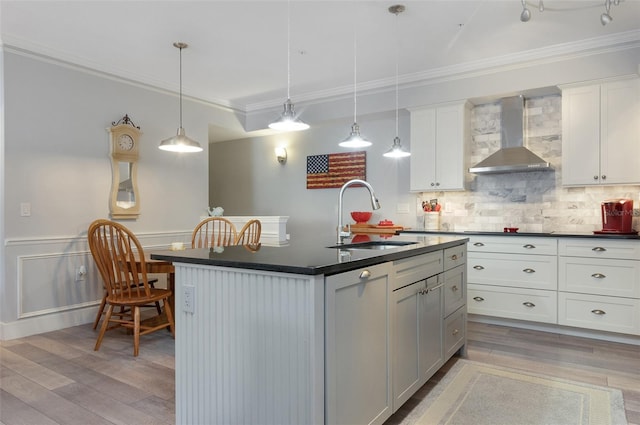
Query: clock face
x,y
125,142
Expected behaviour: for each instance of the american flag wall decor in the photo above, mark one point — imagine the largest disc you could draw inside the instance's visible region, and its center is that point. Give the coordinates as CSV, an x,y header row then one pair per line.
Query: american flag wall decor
x,y
335,169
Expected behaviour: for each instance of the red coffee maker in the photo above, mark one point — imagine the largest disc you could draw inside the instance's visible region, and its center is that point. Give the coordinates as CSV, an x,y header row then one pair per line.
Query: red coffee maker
x,y
617,215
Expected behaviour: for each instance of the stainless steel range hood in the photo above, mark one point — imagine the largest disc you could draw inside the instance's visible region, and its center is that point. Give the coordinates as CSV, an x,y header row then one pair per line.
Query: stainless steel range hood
x,y
512,157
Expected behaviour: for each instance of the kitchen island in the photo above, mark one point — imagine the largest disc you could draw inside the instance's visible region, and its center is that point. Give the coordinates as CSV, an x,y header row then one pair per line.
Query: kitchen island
x,y
304,333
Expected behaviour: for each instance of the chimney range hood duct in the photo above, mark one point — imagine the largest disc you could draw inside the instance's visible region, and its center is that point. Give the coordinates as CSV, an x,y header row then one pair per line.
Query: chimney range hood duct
x,y
512,157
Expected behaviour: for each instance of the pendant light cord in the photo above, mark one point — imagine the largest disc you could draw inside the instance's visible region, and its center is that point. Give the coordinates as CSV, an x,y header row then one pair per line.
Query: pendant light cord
x,y
355,73
180,87
288,49
397,60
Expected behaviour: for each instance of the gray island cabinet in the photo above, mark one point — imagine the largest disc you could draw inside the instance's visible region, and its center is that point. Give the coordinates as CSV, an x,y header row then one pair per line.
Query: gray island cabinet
x,y
305,334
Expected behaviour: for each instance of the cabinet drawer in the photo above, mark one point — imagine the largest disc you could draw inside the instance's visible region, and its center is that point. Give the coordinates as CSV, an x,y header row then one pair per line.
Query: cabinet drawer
x,y
413,269
455,330
522,271
513,303
597,312
600,248
454,289
513,245
599,276
455,256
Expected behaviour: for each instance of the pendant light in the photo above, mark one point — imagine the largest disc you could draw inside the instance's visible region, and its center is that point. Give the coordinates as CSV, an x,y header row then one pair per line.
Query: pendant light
x,y
288,121
355,140
180,142
396,150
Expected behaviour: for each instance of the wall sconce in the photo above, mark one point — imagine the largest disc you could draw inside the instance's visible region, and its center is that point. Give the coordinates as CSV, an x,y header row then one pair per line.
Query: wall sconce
x,y
281,155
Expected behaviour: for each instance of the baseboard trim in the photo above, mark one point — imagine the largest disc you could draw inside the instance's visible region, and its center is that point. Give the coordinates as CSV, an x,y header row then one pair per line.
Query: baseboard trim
x,y
47,323
557,329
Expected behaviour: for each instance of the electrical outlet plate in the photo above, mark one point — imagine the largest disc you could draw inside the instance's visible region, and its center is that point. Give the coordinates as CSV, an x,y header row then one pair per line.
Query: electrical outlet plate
x,y
188,298
81,272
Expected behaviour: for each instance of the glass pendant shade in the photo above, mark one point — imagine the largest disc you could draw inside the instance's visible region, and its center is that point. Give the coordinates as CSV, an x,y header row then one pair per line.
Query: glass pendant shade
x,y
396,150
355,140
288,120
180,143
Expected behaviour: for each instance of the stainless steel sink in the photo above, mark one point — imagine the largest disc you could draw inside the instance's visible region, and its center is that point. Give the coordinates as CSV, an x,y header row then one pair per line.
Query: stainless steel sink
x,y
376,245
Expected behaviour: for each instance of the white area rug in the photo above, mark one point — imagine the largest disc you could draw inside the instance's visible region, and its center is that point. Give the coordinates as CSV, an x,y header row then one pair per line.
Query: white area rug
x,y
476,394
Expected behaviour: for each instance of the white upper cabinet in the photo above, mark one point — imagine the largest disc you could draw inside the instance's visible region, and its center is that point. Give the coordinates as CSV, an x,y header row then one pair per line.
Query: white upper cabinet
x,y
439,139
601,133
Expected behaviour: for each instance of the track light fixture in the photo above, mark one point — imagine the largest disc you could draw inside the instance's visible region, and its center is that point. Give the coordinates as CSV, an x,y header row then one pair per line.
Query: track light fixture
x,y
526,13
605,18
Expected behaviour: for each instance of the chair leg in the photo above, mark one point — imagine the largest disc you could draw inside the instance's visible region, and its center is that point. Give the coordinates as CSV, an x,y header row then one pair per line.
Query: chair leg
x,y
103,329
136,330
167,309
100,311
158,307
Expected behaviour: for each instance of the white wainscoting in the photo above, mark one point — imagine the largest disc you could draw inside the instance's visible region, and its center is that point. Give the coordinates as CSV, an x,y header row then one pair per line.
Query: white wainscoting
x,y
41,292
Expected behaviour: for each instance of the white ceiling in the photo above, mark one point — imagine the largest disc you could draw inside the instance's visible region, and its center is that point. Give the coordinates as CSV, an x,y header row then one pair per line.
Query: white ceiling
x,y
237,53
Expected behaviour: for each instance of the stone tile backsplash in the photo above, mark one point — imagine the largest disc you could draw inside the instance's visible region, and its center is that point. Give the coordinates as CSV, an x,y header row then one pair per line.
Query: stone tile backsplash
x,y
532,201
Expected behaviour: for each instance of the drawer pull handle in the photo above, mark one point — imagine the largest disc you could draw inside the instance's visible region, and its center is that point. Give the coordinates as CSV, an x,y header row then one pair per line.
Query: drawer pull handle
x,y
478,244
529,271
435,287
455,332
454,288
599,312
478,267
528,246
598,275
366,274
598,249
479,299
454,257
528,304
423,292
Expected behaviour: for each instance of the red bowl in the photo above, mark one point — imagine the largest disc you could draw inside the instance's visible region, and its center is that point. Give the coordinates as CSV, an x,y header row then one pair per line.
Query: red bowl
x,y
361,216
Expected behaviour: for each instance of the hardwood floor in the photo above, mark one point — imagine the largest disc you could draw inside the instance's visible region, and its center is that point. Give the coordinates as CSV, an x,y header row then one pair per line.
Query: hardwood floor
x,y
57,378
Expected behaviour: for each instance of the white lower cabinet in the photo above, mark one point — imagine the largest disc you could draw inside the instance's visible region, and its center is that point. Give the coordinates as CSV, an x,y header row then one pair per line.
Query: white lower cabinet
x,y
590,283
513,303
358,348
613,314
599,285
513,277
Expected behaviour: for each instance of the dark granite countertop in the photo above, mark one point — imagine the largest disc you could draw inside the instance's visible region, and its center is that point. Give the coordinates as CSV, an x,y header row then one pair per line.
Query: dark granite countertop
x,y
542,234
310,256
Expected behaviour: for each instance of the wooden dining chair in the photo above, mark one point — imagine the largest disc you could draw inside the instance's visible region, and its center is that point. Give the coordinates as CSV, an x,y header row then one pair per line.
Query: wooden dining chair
x,y
214,231
250,233
123,311
120,260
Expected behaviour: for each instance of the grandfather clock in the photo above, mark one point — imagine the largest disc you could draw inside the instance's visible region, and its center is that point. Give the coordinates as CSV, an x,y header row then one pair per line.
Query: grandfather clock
x,y
124,137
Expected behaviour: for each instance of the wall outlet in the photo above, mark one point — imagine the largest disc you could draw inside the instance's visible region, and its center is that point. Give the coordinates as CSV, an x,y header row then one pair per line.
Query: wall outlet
x,y
25,209
81,273
188,298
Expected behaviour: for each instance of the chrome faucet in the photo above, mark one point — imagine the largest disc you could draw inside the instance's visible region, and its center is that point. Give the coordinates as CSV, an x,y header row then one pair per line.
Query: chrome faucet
x,y
374,204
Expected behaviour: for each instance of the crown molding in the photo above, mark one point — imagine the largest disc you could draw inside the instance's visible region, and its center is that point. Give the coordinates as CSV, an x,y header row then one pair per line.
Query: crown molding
x,y
556,53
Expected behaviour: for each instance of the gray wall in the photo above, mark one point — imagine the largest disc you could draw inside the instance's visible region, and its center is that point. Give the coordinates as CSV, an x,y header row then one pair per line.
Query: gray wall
x,y
246,179
56,157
